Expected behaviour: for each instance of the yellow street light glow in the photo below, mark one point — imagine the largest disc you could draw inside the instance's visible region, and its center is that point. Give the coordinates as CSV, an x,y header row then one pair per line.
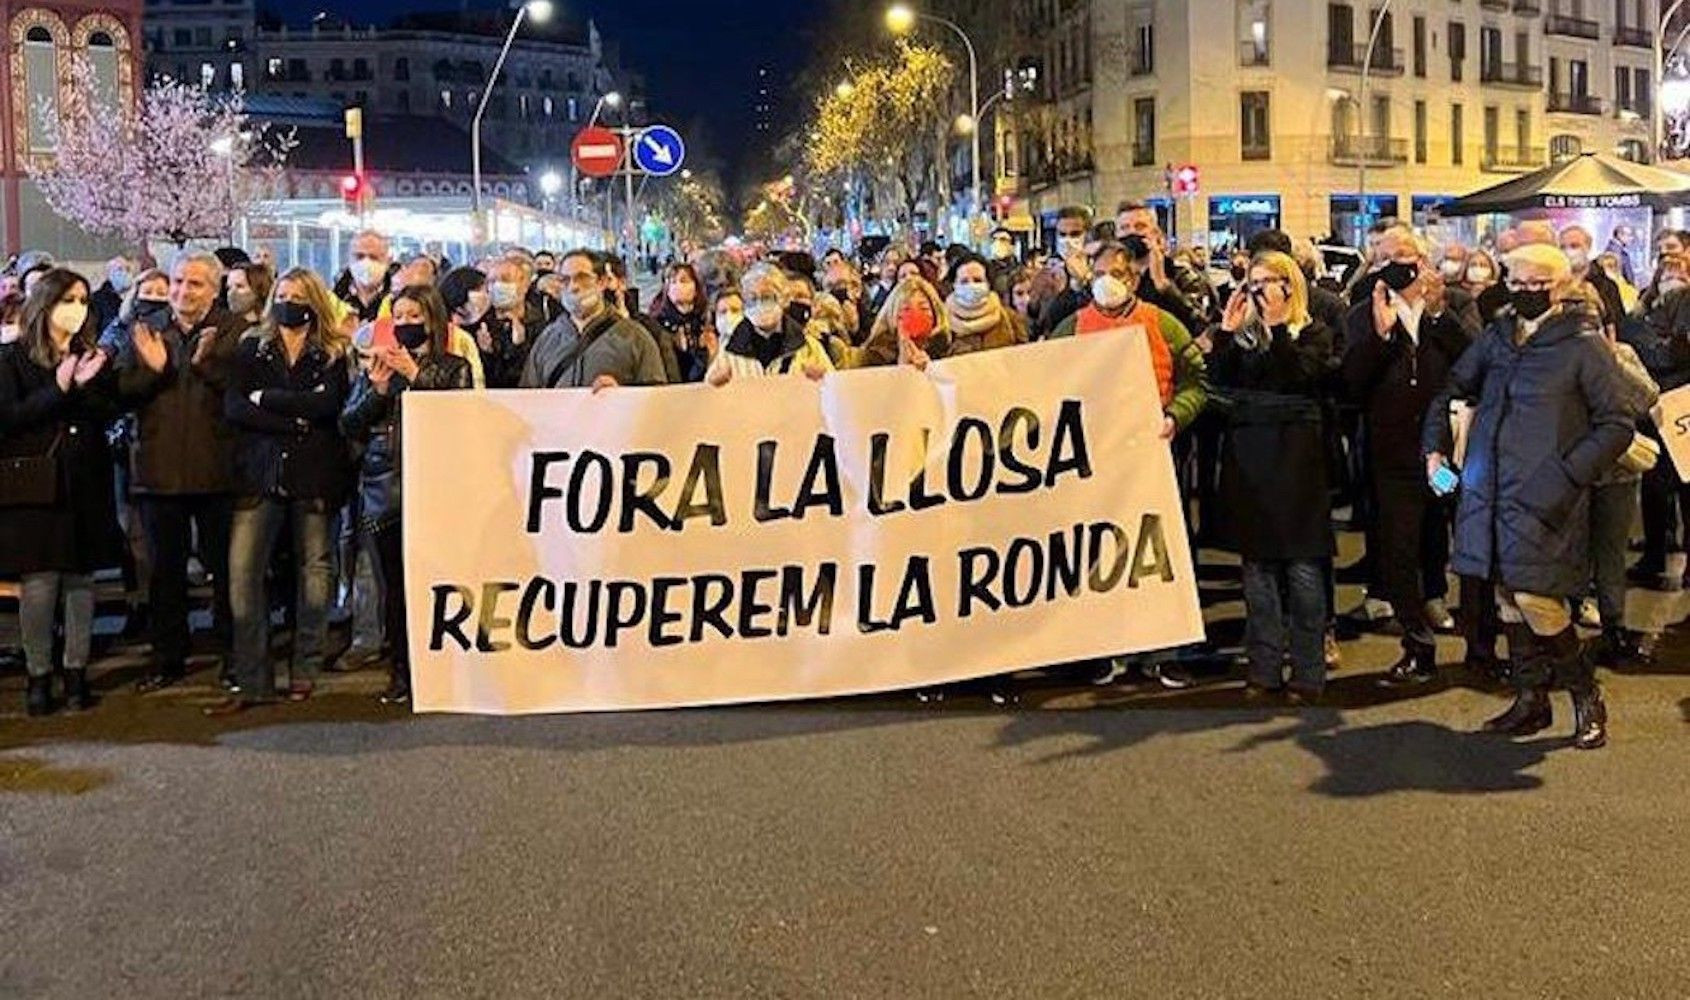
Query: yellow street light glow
x,y
540,10
900,18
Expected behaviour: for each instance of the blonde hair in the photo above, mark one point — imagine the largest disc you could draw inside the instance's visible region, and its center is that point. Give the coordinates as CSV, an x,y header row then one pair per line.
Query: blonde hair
x,y
1297,289
324,332
886,321
1540,256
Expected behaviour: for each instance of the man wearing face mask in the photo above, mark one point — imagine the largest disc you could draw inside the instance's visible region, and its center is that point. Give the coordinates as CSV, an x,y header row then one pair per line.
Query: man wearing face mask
x,y
1576,244
591,345
1166,283
508,328
1072,221
1452,268
364,287
1396,361
108,298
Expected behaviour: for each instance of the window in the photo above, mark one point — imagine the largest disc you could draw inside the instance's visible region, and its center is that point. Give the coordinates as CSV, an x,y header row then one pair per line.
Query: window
x,y
546,106
102,58
297,70
237,76
522,106
1522,130
1144,131
1456,139
1254,125
404,99
202,37
445,100
1457,50
1490,53
1381,116
1419,131
360,69
1419,46
401,68
182,37
1578,76
337,69
1493,127
1634,150
273,68
1622,86
1144,53
41,76
1254,48
1564,147
208,75
1340,34
574,108
1641,93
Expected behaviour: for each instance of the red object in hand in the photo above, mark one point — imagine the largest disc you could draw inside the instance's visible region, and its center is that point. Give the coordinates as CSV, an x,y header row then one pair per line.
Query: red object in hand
x,y
915,325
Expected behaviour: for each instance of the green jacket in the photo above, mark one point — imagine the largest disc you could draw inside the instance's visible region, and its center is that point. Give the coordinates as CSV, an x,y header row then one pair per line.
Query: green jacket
x,y
1191,390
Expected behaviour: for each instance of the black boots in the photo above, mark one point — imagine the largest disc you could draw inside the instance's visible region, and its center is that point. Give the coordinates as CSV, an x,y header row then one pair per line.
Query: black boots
x,y
77,696
39,700
1619,648
1530,713
1590,718
1419,665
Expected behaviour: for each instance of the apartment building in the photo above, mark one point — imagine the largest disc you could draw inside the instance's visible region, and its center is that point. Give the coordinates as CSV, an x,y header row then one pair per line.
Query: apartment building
x,y
1267,99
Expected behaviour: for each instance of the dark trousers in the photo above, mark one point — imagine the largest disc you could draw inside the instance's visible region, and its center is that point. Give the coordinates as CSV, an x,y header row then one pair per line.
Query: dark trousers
x,y
171,522
1663,495
390,557
1404,507
1480,623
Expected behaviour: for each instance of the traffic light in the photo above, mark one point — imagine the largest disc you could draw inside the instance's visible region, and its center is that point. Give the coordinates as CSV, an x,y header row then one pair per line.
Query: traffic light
x,y
356,193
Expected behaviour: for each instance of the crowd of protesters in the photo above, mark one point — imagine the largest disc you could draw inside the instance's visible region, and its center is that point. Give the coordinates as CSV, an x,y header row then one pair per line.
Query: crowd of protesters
x,y
1481,410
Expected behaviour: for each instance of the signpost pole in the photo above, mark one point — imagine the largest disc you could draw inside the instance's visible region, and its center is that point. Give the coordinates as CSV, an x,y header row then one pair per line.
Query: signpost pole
x,y
628,235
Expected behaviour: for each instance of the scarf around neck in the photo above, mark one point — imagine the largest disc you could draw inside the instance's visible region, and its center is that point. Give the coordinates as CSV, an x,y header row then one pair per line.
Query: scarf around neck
x,y
974,322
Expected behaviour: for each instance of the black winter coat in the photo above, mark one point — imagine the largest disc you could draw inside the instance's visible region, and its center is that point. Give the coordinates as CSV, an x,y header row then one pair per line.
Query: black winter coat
x,y
1273,479
290,446
1394,381
374,421
682,333
183,443
79,533
1552,418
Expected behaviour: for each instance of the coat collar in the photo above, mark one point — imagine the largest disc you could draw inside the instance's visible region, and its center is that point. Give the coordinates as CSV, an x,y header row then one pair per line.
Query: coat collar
x,y
743,340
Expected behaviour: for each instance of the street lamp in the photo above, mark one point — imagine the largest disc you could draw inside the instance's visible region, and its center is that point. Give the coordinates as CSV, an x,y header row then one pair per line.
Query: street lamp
x,y
612,100
901,19
845,89
550,184
1361,111
1656,111
540,11
224,146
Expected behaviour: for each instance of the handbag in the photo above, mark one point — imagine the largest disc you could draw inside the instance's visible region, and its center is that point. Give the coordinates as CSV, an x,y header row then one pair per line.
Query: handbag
x,y
1641,456
31,480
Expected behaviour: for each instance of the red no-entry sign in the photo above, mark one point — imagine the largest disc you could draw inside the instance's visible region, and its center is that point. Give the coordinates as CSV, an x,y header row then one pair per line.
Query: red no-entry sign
x,y
597,152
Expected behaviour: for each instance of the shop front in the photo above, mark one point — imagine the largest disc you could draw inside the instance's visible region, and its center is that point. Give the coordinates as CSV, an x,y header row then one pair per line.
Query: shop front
x,y
1350,218
1234,218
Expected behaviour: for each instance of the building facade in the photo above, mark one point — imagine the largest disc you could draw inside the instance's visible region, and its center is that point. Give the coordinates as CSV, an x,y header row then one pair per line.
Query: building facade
x,y
427,65
1267,99
41,41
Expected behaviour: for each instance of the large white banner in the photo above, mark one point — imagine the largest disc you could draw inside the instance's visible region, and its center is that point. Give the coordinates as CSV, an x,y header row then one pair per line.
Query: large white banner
x,y
1672,419
782,538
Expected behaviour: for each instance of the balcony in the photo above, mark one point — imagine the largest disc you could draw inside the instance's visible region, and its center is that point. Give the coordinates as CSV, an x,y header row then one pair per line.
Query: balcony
x,y
1374,150
1636,37
1522,75
1142,63
1511,159
1144,155
1575,104
1251,54
1348,59
1571,27
1499,5
1528,8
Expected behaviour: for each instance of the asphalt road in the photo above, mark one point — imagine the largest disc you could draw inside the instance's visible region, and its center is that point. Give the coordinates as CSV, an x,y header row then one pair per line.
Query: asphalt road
x,y
1113,843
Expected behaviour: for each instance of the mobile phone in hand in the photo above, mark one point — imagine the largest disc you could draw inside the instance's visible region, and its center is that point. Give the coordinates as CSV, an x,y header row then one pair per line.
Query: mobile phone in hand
x,y
1445,481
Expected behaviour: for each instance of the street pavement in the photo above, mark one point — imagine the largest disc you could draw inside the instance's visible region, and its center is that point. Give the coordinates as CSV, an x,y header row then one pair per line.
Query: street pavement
x,y
1116,842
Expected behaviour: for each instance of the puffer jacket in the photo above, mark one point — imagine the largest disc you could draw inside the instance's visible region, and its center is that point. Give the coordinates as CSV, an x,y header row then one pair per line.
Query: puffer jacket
x,y
290,445
1552,416
374,421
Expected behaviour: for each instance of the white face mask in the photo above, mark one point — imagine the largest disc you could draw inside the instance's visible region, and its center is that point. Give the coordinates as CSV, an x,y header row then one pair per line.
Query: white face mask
x,y
368,273
9,333
1479,274
68,317
1670,285
504,294
1109,292
971,296
766,316
1450,269
1577,258
1002,249
727,322
1069,245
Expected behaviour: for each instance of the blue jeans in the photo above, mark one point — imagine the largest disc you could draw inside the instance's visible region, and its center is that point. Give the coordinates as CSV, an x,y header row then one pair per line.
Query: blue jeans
x,y
1285,609
252,542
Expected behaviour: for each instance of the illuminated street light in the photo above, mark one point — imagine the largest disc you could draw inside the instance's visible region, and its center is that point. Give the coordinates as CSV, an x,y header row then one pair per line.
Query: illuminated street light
x,y
900,18
540,11
550,183
845,89
964,124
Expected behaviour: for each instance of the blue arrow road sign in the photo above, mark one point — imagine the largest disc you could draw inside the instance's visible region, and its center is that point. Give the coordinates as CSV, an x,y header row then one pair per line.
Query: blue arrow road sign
x,y
659,151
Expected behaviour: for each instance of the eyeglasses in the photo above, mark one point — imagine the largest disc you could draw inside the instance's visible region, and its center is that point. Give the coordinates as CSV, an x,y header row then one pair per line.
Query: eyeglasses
x,y
1521,285
1259,286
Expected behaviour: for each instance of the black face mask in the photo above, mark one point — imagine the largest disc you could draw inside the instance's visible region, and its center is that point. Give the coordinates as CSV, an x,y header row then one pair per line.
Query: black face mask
x,y
1237,272
154,314
1530,305
411,335
292,315
799,312
842,294
1398,276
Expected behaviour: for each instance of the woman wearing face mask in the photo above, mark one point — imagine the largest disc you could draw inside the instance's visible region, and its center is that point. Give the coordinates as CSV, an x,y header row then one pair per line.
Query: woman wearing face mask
x,y
768,341
976,316
287,385
373,418
58,522
1552,416
679,314
1483,280
1269,365
912,324
466,294
1660,334
246,289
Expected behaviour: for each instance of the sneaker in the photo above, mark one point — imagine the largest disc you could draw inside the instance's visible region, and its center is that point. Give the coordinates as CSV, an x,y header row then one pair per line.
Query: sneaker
x,y
1589,616
1438,616
1110,672
1170,675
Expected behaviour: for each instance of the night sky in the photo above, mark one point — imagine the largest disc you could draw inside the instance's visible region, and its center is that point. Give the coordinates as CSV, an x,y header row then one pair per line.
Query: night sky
x,y
699,58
